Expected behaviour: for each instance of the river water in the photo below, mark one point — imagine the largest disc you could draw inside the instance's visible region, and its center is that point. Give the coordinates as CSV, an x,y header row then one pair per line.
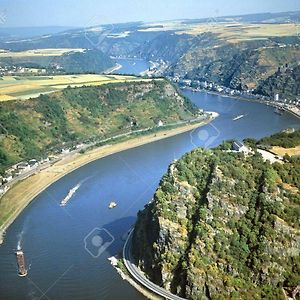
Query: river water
x,y
131,66
64,254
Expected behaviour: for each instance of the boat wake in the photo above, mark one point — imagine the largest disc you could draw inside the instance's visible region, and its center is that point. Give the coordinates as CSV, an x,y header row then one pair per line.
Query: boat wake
x,y
20,235
20,240
72,192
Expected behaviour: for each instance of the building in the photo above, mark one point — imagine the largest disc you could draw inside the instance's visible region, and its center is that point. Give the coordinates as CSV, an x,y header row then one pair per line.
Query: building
x,y
3,189
7,179
160,123
240,147
65,151
276,97
23,166
33,163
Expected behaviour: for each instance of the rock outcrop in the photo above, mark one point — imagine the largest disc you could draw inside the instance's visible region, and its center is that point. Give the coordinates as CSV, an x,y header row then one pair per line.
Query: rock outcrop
x,y
221,226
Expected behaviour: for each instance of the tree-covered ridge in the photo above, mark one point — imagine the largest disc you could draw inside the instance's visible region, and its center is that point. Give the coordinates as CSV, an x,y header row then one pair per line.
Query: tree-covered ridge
x,y
32,127
88,61
223,226
282,139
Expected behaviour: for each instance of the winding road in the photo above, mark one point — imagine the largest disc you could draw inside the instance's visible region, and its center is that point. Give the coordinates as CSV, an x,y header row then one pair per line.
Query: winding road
x,y
138,276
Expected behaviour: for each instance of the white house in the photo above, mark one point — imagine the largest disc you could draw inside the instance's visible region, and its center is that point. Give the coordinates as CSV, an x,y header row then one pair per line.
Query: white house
x,y
160,123
23,166
240,147
7,179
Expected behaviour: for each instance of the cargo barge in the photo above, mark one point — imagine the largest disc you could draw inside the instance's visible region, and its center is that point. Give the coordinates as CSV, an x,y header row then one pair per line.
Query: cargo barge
x,y
21,263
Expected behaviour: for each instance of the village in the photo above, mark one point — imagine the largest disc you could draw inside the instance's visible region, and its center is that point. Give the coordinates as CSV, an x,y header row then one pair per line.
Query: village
x,y
24,169
292,106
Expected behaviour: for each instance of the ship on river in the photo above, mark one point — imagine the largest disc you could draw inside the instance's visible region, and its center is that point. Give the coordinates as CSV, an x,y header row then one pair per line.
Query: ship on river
x,y
70,195
21,263
238,117
112,205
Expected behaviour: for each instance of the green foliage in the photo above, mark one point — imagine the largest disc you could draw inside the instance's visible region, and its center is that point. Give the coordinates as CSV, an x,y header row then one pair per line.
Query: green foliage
x,y
282,139
236,224
33,127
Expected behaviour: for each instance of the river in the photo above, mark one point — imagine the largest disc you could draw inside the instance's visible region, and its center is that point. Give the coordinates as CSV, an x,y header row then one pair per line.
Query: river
x,y
131,66
63,254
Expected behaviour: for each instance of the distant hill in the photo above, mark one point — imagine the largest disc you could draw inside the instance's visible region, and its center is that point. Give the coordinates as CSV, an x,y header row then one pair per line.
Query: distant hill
x,y
14,33
240,52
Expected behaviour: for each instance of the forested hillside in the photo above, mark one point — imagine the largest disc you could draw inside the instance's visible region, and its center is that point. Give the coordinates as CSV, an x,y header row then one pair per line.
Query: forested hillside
x,y
29,128
223,226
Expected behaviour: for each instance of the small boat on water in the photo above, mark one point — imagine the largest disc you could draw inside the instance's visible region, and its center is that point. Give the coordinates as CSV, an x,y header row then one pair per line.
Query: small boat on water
x,y
21,263
112,205
238,117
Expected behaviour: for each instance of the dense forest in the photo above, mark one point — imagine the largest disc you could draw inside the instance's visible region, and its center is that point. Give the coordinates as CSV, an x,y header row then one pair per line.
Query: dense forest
x,y
30,128
224,225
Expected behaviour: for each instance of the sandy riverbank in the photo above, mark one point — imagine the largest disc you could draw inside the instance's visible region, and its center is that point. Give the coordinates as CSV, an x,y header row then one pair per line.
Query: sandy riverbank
x,y
22,193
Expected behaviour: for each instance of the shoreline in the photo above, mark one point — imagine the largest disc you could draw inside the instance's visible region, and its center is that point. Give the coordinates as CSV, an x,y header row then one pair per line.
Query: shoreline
x,y
113,69
242,99
28,189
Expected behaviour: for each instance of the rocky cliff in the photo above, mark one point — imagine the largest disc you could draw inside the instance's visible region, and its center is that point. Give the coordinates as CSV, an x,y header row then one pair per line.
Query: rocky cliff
x,y
222,226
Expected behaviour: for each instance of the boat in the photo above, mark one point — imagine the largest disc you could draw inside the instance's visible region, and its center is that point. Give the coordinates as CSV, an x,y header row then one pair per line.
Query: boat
x,y
238,117
21,263
70,195
112,205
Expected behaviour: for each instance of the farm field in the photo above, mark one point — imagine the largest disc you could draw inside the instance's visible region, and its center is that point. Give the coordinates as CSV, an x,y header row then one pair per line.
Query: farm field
x,y
230,30
38,52
19,87
289,151
236,32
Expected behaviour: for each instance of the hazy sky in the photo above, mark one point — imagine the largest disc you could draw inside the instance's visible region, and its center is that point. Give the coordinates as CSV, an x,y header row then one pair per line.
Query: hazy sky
x,y
90,12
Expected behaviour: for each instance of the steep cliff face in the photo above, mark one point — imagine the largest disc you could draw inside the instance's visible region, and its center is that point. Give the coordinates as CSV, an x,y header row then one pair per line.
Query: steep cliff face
x,y
221,226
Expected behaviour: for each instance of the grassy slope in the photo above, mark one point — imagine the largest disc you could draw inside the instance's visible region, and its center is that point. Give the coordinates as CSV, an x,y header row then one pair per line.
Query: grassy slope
x,y
31,127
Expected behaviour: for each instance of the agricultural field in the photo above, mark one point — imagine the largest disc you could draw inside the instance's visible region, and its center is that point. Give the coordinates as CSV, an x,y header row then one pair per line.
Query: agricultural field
x,y
229,30
38,52
295,151
236,32
25,87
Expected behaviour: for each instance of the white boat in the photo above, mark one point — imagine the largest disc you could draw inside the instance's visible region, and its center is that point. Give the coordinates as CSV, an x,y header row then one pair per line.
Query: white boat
x,y
70,195
238,117
112,205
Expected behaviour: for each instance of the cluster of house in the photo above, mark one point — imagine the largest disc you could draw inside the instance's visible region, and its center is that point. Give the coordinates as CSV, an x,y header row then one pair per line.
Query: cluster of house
x,y
285,102
17,170
197,85
17,70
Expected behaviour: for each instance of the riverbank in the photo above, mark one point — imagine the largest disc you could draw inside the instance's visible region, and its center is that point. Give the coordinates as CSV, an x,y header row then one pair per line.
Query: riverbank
x,y
113,69
118,265
293,112
22,193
